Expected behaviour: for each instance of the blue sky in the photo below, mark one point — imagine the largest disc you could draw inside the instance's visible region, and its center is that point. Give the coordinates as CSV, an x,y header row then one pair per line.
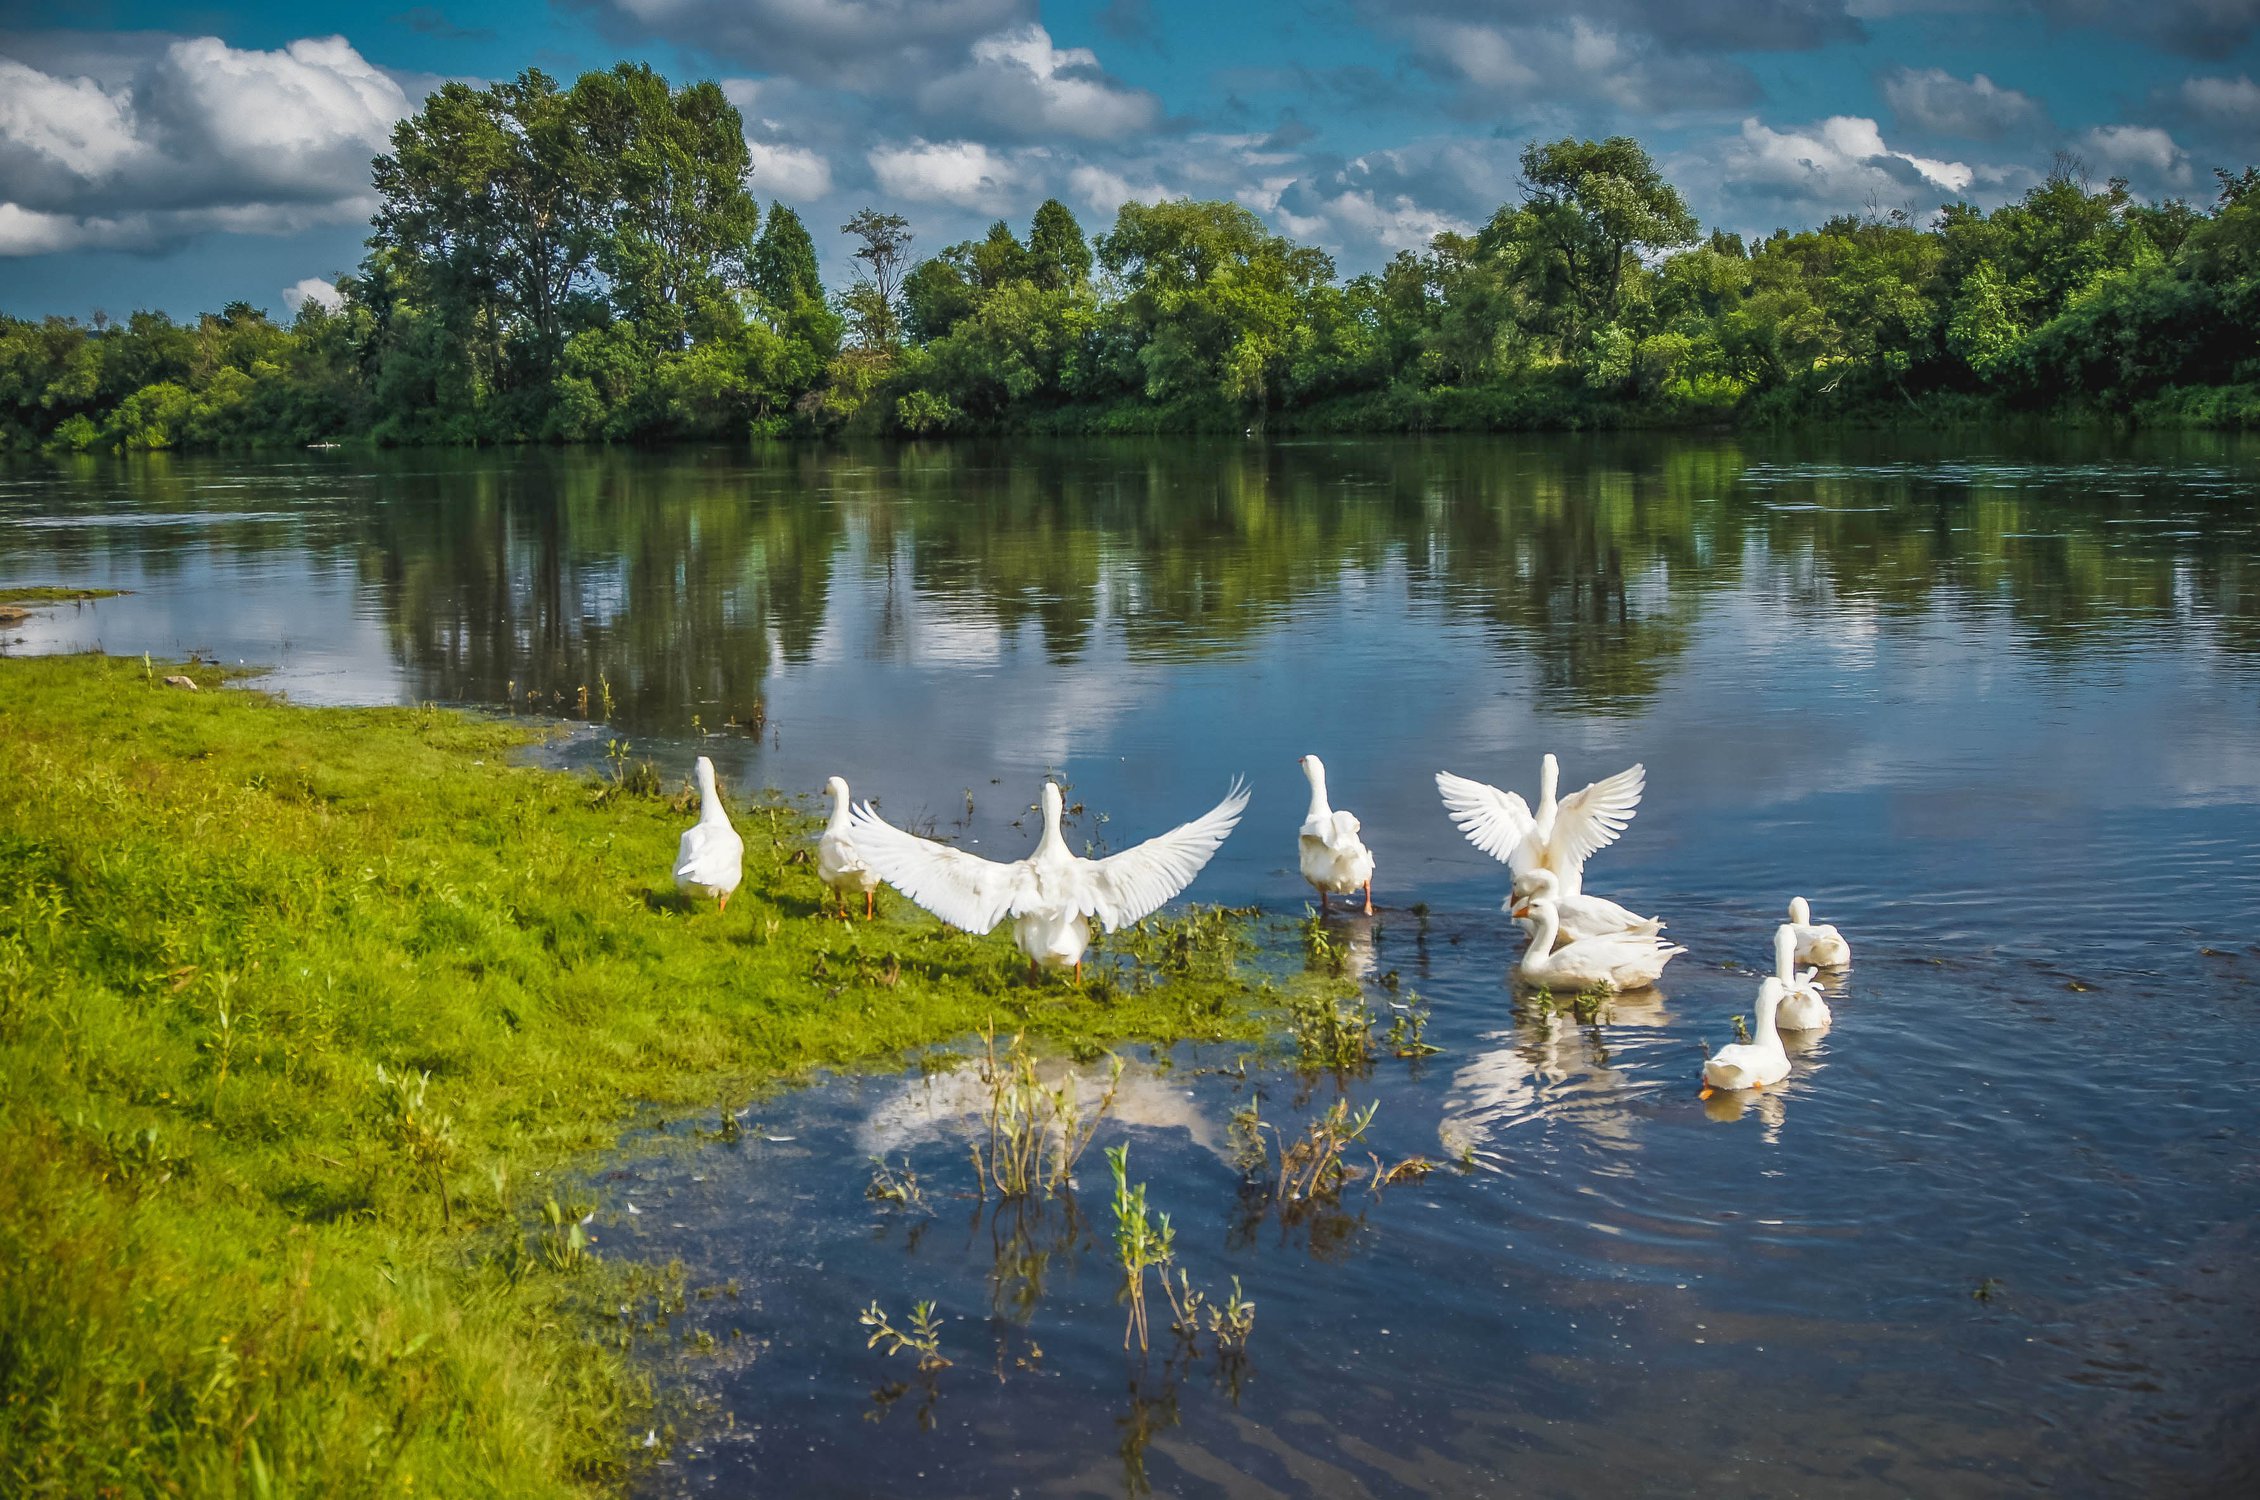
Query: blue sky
x,y
184,156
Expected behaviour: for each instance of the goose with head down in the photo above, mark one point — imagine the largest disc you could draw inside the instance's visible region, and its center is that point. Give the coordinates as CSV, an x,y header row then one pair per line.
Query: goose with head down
x,y
1818,943
1053,895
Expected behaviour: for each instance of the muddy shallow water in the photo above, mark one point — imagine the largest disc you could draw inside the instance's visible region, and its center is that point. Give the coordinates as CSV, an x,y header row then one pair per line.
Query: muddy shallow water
x,y
1993,705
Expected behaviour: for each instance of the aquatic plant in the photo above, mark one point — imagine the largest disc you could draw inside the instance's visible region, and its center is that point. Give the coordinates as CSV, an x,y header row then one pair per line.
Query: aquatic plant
x,y
894,1185
1332,1030
1310,1168
1034,1133
1408,1027
923,1338
1142,1243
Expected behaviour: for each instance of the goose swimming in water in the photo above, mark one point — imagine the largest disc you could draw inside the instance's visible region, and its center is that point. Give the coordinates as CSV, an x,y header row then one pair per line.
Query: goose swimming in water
x,y
1758,1062
1818,944
1802,1008
1611,961
1053,895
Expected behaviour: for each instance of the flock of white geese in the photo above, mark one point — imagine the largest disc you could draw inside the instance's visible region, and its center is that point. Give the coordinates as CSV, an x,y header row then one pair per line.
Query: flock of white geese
x,y
1578,942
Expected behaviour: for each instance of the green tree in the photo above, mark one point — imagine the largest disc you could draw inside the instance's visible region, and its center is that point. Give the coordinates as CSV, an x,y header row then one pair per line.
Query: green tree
x,y
872,307
1060,259
783,264
1596,206
677,222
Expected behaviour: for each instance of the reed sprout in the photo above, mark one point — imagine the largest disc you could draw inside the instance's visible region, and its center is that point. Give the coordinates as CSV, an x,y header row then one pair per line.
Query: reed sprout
x,y
1034,1133
923,1337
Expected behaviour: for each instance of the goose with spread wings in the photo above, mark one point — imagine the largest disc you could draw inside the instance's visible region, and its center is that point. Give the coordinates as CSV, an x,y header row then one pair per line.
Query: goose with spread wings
x,y
1054,894
1558,838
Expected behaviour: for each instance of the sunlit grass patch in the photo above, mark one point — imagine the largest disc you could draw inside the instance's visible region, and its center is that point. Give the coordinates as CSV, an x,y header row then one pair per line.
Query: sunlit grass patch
x,y
313,1019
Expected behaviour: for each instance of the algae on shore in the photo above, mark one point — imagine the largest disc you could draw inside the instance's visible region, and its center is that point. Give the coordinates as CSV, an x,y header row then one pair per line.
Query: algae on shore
x,y
309,1016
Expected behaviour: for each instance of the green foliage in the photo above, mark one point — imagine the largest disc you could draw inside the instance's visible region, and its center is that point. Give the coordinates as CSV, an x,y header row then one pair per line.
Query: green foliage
x,y
587,264
310,1018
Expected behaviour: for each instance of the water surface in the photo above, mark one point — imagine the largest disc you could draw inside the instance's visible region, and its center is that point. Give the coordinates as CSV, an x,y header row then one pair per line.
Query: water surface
x,y
1994,704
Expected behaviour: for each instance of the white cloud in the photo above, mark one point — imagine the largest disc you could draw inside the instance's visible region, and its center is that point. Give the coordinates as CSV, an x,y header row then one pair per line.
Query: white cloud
x,y
966,174
312,289
1105,190
2224,103
1935,101
1018,82
790,172
1574,61
1837,165
72,125
198,135
2142,153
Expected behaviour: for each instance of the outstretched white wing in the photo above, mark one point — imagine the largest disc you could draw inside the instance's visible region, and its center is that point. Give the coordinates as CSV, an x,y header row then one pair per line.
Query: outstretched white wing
x,y
962,889
1590,820
1124,887
1496,822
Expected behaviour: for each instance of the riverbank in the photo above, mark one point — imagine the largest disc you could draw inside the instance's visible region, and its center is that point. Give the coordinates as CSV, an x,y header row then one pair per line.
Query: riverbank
x,y
312,1020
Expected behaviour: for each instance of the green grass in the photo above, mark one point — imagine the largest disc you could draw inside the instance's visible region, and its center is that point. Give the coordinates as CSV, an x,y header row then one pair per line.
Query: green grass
x,y
49,594
235,1258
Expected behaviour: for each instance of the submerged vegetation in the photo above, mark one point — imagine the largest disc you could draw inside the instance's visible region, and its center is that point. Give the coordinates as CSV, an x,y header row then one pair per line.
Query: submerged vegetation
x,y
587,263
310,1018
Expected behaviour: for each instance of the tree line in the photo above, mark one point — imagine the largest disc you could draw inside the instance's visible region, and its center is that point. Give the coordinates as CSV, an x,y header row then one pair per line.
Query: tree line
x,y
589,263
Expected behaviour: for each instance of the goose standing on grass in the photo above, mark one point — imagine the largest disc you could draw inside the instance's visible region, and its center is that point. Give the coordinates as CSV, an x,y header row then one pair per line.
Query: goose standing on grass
x,y
1053,895
1334,858
837,863
710,861
1612,961
1757,1062
1560,836
1818,944
1582,916
1802,1008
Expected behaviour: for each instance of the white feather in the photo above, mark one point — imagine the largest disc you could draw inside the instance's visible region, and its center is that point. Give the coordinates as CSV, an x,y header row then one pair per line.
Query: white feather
x,y
1052,895
710,859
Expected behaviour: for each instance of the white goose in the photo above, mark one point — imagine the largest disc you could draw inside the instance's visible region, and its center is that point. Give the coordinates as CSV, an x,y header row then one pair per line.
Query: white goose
x,y
837,863
1817,943
1334,858
1755,1063
1582,916
1560,836
1802,1008
1612,961
710,860
1052,895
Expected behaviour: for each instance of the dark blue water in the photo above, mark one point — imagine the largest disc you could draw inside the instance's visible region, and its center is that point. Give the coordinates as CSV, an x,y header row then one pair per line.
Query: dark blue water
x,y
1993,704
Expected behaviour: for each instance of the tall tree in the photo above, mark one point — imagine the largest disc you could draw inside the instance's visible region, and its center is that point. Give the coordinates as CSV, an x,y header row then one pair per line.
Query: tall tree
x,y
885,249
679,222
1057,251
1598,205
485,203
783,265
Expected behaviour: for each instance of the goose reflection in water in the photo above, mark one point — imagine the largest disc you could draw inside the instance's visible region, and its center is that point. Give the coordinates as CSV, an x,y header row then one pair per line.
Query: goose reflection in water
x,y
1550,1064
949,1107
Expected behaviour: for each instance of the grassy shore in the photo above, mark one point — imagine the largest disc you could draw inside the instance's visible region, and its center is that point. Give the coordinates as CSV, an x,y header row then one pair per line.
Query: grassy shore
x,y
307,1017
